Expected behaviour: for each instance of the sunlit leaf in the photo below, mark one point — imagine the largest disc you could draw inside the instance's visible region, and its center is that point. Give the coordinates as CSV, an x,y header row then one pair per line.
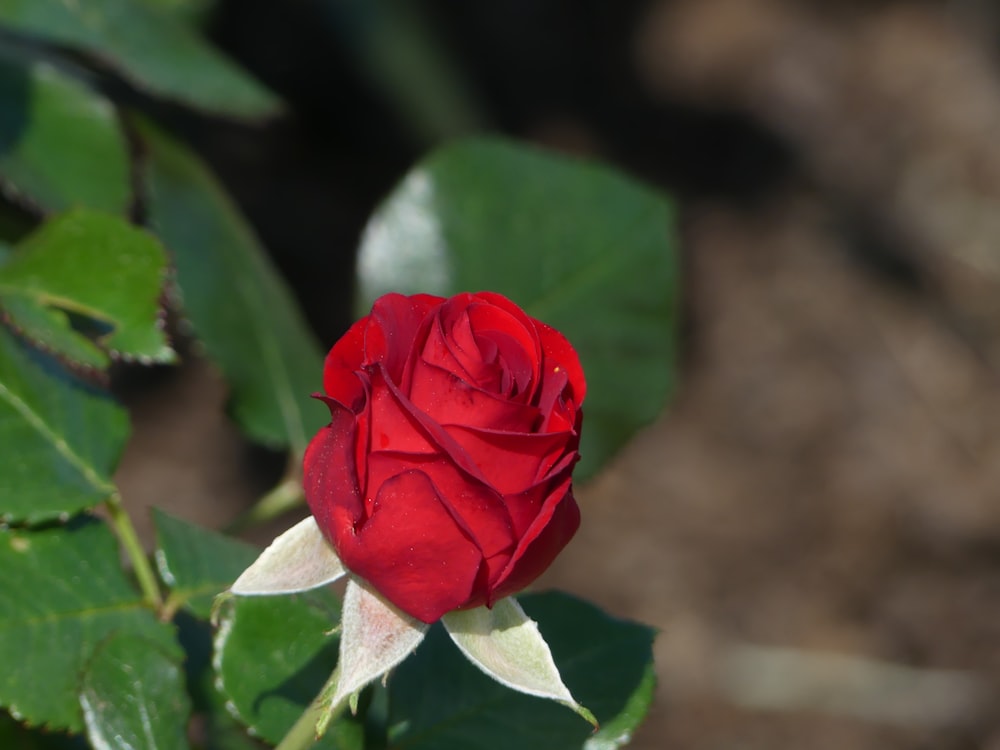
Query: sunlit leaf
x,y
272,656
68,437
133,696
64,593
196,563
94,266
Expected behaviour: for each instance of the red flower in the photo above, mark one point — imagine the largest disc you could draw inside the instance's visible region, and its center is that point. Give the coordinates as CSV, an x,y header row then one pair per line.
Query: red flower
x,y
444,476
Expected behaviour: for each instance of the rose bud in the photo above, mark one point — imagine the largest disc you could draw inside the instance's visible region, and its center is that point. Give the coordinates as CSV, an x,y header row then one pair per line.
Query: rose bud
x,y
444,476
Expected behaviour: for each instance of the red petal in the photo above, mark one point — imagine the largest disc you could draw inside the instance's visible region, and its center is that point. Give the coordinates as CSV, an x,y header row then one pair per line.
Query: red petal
x,y
564,356
330,477
396,320
340,380
412,552
448,400
552,529
510,461
513,336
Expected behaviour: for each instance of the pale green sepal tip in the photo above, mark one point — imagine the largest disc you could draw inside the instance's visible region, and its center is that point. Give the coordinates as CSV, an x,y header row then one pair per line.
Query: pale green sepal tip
x,y
299,560
506,644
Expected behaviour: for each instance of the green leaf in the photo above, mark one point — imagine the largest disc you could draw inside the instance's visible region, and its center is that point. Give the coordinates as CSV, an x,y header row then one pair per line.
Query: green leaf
x,y
216,725
94,266
439,700
577,245
133,695
14,735
151,49
68,437
272,656
61,145
235,298
64,593
190,12
197,564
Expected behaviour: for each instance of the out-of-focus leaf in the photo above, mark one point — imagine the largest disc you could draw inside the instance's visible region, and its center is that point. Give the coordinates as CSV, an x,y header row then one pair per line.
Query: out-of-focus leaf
x,y
235,298
61,145
439,700
133,696
273,654
577,245
197,564
64,593
151,49
66,438
191,12
95,266
17,737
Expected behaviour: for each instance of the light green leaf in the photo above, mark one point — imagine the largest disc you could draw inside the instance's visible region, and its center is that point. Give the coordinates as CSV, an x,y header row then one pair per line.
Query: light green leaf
x,y
506,645
235,298
149,48
300,559
577,245
197,564
61,145
64,593
272,656
439,700
94,266
66,438
133,696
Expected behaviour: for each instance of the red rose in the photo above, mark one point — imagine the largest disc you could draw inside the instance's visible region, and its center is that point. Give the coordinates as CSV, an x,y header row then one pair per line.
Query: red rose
x,y
444,476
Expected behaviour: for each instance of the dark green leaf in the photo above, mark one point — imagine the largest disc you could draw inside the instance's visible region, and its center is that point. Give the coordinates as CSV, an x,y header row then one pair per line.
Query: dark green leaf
x,y
64,593
274,654
67,438
151,49
191,12
216,724
60,144
133,696
439,700
94,266
235,298
197,563
575,244
18,737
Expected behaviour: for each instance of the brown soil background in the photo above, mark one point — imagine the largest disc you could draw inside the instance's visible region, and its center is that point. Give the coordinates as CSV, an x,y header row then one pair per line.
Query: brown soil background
x,y
814,524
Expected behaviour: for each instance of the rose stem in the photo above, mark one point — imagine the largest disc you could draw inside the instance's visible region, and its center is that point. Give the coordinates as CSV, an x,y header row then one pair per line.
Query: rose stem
x,y
302,735
133,548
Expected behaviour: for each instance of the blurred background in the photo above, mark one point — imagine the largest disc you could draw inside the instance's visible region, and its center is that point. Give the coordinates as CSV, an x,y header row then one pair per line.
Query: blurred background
x,y
814,524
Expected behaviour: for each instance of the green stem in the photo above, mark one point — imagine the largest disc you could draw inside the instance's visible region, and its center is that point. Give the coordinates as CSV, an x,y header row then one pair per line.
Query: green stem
x,y
133,548
305,732
284,497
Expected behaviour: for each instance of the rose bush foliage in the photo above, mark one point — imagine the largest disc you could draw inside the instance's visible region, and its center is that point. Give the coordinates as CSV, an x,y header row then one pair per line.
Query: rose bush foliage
x,y
444,477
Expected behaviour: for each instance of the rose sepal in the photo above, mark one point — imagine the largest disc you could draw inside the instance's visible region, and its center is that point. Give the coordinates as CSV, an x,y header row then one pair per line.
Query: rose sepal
x,y
506,644
300,559
375,636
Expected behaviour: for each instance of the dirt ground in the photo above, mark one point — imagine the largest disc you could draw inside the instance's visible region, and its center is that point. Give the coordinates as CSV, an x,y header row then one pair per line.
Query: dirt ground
x,y
814,524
